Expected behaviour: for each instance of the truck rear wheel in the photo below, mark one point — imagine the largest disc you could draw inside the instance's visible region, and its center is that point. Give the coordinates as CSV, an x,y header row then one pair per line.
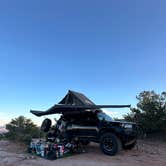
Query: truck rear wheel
x,y
110,144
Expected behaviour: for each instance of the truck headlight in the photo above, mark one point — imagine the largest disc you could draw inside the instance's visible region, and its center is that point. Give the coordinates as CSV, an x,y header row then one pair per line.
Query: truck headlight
x,y
127,126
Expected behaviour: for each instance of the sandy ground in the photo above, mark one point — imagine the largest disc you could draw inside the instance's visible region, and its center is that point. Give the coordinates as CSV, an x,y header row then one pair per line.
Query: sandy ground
x,y
146,153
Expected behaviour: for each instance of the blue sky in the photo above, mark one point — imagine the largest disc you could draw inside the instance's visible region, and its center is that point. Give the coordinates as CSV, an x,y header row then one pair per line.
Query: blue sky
x,y
109,50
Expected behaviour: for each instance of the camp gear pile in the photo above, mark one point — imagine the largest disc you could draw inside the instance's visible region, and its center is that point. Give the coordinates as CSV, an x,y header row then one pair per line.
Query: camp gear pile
x,y
53,151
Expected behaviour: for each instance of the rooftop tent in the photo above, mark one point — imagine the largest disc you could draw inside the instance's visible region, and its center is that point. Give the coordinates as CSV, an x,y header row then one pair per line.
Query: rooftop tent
x,y
72,102
75,98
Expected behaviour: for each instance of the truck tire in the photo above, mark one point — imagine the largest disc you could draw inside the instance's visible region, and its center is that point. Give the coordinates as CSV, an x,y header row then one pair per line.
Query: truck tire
x,y
46,124
110,144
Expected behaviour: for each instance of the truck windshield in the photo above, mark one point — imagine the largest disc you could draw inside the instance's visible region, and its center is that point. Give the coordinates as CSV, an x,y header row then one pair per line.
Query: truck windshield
x,y
102,116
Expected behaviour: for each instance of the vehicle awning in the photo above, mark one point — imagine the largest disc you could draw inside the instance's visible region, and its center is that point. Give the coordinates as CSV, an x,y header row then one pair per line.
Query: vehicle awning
x,y
72,102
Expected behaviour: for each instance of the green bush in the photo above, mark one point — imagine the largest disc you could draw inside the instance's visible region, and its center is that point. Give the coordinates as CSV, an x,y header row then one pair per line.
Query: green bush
x,y
1,137
150,112
22,129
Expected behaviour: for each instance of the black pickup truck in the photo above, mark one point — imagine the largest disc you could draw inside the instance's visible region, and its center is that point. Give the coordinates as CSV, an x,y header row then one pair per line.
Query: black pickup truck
x,y
88,123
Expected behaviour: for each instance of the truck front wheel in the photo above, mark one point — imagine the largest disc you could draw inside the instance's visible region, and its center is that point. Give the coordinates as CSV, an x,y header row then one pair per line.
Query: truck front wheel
x,y
110,144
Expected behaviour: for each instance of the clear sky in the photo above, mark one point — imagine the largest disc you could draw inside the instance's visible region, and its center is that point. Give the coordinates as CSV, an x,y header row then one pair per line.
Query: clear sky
x,y
110,50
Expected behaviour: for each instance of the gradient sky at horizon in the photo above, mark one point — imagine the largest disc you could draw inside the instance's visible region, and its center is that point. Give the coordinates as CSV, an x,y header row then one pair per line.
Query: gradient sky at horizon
x,y
108,50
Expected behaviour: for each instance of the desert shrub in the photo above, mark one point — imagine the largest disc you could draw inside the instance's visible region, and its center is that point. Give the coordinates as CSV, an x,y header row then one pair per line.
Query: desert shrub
x,y
1,137
150,113
22,129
